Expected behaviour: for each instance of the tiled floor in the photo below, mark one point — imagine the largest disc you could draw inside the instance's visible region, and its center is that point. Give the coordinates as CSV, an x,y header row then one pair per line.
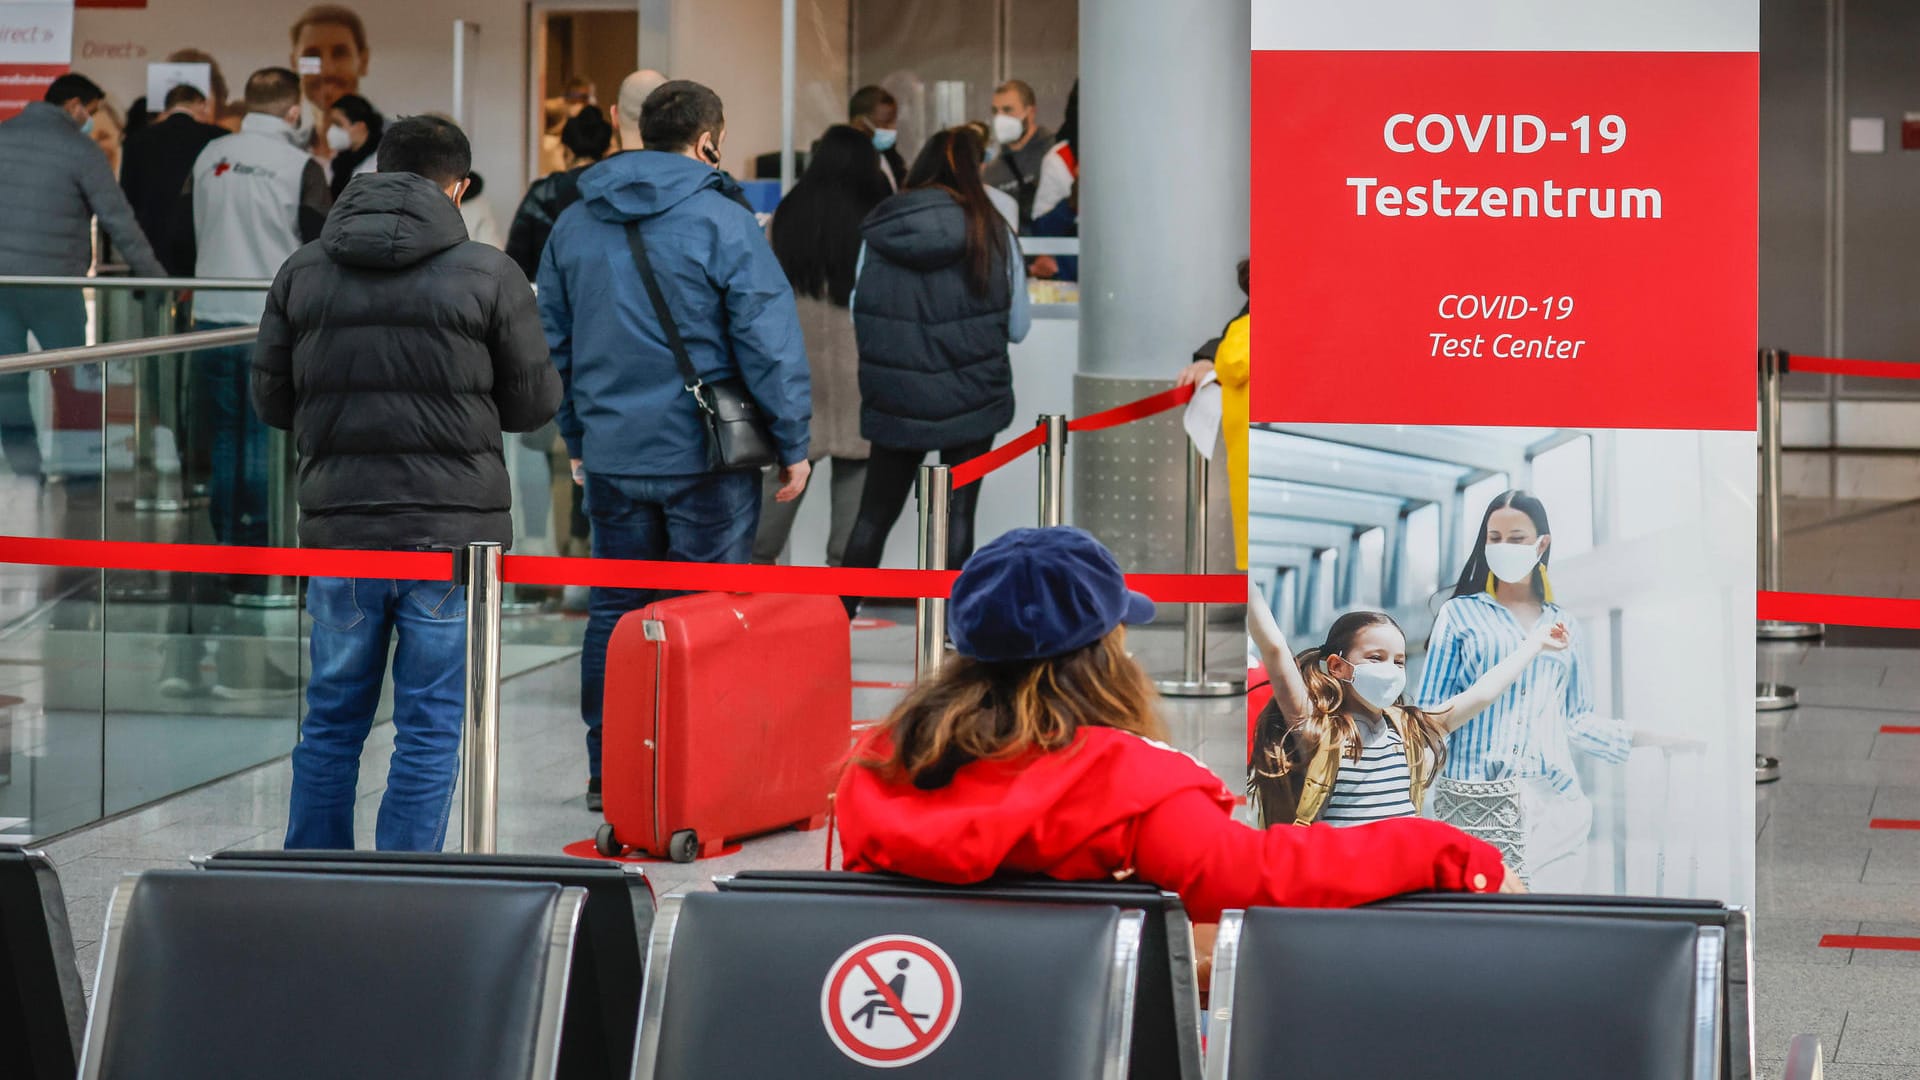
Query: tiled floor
x,y
1850,526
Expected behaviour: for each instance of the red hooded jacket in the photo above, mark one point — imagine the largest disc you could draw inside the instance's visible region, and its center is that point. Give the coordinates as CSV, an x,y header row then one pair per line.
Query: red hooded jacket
x,y
1114,805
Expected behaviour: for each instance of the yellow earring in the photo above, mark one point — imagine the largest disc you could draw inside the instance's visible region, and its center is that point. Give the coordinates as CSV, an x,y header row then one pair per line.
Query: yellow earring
x,y
1489,587
1546,586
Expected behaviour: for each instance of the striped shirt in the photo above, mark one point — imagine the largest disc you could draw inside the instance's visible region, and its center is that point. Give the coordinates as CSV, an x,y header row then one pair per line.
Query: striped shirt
x,y
1377,786
1533,728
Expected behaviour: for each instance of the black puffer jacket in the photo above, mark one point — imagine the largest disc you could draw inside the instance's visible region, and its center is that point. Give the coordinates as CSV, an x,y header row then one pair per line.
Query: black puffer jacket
x,y
397,350
934,371
533,222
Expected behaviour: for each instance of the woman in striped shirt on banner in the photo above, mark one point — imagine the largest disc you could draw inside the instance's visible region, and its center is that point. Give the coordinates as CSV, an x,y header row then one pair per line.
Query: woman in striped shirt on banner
x,y
1509,775
1337,743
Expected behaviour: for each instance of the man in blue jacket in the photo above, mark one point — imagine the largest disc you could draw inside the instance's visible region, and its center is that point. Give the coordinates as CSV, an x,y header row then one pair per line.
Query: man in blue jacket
x,y
630,426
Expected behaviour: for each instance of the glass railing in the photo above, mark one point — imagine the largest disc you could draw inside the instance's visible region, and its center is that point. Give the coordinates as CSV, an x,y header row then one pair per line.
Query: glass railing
x,y
120,687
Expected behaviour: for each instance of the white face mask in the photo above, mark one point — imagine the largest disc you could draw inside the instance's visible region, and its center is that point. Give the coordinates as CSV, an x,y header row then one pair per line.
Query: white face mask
x,y
338,140
1379,683
1008,129
1512,563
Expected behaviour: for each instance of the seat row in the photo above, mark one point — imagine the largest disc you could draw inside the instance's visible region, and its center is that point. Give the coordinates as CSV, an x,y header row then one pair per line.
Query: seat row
x,y
328,964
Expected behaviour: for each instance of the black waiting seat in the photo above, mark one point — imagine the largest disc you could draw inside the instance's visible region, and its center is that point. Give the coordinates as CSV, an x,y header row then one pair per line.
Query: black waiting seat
x,y
298,976
805,986
1486,994
43,1010
1166,1017
609,955
1737,1050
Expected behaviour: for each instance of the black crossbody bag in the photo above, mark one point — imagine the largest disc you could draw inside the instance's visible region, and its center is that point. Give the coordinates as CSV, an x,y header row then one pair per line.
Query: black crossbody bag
x,y
737,435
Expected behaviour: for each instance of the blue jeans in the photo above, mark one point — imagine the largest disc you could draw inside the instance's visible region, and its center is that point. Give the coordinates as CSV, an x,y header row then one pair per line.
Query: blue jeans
x,y
57,318
238,487
709,518
353,619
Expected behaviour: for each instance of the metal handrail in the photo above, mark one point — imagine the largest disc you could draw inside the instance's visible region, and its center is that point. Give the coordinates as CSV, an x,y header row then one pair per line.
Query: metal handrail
x,y
46,281
48,359
1050,245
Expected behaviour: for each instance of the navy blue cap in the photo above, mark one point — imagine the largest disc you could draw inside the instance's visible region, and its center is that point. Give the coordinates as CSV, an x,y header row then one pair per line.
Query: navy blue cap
x,y
1037,593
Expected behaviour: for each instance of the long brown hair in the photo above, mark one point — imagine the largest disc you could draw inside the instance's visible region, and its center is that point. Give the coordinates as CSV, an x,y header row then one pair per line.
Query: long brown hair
x,y
972,710
951,161
1327,715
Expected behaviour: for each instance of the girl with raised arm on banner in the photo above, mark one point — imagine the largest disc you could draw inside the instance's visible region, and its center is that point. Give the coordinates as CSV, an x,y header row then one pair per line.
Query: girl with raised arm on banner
x,y
1509,775
1338,743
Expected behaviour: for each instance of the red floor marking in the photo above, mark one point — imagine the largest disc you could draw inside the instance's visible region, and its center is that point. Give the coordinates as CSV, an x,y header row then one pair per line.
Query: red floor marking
x,y
865,623
1899,729
1894,823
859,685
1858,941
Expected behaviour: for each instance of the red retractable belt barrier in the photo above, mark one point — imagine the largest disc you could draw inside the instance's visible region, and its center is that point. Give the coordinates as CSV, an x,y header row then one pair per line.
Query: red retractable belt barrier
x,y
1134,410
622,573
1000,456
1829,609
544,570
214,559
1876,369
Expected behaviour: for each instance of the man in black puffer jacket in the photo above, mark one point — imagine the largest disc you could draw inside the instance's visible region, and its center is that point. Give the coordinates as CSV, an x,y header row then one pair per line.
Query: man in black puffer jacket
x,y
397,351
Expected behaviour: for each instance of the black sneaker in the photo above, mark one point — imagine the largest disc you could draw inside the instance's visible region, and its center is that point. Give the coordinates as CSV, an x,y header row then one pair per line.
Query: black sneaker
x,y
180,668
593,794
237,680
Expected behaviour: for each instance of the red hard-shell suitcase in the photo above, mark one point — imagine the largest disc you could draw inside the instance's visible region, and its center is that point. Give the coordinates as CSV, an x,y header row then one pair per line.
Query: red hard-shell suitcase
x,y
727,715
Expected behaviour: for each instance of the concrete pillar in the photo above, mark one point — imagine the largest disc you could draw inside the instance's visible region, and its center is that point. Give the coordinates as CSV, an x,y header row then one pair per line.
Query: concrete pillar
x,y
1165,106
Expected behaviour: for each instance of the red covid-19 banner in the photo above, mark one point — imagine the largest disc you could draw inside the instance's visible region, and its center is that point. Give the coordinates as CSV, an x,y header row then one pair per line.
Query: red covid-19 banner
x,y
1512,237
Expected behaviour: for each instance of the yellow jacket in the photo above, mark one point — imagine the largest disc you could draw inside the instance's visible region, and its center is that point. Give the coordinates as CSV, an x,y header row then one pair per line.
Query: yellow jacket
x,y
1233,366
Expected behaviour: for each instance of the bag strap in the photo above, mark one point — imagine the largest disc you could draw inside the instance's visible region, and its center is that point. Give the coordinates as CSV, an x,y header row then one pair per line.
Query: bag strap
x,y
1028,188
661,311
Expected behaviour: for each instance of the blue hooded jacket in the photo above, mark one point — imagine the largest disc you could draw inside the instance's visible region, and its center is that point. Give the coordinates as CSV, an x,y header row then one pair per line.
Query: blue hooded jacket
x,y
626,411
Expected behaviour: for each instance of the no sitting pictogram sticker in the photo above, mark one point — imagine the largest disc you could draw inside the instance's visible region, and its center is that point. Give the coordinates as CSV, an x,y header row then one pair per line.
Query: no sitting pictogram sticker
x,y
891,1000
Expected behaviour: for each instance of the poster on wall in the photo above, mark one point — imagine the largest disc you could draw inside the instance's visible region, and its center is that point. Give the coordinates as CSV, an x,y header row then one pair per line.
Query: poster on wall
x,y
36,47
1501,496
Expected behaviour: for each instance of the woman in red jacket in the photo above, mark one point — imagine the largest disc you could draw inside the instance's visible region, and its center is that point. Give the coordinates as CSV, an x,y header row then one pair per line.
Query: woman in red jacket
x,y
1039,750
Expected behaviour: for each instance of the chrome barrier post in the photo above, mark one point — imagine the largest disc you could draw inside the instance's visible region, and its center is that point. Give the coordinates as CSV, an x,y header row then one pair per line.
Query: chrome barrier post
x,y
1773,696
480,736
1053,470
930,612
1773,367
1193,680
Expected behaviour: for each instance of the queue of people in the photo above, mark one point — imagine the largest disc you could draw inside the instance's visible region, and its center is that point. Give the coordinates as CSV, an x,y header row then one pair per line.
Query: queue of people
x,y
875,323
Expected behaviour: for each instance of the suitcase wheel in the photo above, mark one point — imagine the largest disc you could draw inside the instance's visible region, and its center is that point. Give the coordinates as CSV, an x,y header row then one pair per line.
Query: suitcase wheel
x,y
682,846
604,843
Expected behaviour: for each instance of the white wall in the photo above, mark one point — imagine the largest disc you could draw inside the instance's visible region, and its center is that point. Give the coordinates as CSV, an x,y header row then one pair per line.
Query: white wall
x,y
734,47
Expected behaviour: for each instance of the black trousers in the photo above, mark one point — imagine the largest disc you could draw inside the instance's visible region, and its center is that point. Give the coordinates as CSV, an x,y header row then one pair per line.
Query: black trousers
x,y
891,474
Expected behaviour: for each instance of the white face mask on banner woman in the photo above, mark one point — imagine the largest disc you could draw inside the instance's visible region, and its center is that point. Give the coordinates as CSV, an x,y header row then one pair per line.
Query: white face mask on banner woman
x,y
1512,562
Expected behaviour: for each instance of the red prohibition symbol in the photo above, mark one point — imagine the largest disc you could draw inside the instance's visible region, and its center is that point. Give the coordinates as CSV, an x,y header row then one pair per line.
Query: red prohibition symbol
x,y
890,1000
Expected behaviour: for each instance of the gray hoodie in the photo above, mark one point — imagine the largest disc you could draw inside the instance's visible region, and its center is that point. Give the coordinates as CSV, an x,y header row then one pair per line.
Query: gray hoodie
x,y
56,182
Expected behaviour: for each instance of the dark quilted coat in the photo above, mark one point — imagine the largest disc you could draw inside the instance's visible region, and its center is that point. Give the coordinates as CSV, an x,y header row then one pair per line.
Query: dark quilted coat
x,y
397,351
934,371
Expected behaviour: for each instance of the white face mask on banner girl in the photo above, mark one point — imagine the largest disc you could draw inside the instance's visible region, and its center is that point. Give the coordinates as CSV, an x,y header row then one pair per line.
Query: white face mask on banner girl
x,y
1375,679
